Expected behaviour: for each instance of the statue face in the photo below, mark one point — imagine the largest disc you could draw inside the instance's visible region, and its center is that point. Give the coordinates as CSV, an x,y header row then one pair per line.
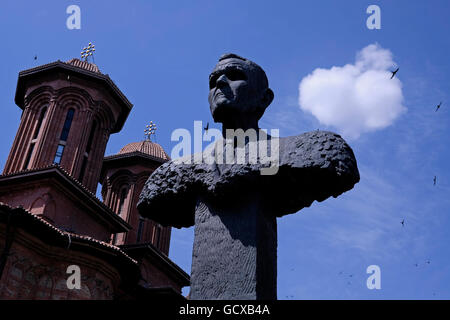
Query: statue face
x,y
233,90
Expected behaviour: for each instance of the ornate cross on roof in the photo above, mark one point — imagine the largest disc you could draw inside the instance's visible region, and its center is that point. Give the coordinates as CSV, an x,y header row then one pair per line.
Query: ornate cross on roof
x,y
88,51
149,130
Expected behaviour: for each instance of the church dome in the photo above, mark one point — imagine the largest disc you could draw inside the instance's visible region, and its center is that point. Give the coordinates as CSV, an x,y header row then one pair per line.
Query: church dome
x,y
84,65
147,147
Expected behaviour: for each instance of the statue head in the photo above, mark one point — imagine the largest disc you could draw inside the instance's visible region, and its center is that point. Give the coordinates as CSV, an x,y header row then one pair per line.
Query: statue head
x,y
238,89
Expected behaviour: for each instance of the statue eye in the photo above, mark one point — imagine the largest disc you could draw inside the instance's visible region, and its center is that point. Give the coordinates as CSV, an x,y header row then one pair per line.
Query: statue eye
x,y
235,74
212,82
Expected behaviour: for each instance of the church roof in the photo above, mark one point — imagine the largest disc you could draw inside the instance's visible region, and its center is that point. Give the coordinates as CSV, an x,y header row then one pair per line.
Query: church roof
x,y
49,233
82,69
147,147
84,64
139,250
88,197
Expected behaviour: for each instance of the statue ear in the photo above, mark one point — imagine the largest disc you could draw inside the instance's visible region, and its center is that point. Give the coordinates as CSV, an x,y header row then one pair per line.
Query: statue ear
x,y
267,98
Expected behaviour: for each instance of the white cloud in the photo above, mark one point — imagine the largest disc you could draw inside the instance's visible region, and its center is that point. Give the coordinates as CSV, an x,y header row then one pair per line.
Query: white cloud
x,y
357,97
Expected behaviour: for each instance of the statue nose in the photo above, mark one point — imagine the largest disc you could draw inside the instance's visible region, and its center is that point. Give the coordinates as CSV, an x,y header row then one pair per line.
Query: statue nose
x,y
222,80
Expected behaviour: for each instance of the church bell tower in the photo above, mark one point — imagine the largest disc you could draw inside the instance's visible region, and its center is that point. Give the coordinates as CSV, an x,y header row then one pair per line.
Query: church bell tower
x,y
69,111
54,165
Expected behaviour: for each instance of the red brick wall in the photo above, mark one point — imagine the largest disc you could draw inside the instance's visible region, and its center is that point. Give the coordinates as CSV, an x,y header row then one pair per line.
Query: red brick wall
x,y
91,103
133,177
157,277
35,270
60,209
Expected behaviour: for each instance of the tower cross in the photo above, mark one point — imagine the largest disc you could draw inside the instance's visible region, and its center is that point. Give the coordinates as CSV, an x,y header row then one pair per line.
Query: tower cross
x,y
88,51
149,130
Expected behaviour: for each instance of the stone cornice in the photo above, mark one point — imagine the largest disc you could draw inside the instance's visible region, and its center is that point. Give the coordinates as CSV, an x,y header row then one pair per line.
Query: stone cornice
x,y
35,225
75,186
71,69
143,250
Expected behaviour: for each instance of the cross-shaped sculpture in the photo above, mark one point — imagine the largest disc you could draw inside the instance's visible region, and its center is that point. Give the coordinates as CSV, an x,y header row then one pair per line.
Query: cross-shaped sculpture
x,y
233,207
149,130
88,51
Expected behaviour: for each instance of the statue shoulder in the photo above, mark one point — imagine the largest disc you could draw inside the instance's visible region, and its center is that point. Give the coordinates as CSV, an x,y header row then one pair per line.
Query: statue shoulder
x,y
315,149
313,167
166,197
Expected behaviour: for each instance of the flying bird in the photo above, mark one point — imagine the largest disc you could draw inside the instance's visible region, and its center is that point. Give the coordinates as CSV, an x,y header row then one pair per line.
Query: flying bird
x,y
438,106
35,57
428,261
416,264
394,73
434,180
403,222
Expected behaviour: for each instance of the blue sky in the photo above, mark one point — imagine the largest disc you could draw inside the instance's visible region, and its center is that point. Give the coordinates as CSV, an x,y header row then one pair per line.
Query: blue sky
x,y
160,54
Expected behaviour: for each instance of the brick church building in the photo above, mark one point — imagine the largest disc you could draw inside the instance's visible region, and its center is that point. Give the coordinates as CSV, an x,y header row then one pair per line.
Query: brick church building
x,y
50,218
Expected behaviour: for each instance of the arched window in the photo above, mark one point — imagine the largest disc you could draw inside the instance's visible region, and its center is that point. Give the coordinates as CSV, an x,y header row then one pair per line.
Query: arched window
x,y
67,125
29,154
39,124
91,137
123,196
140,229
64,136
114,239
88,149
35,135
157,236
